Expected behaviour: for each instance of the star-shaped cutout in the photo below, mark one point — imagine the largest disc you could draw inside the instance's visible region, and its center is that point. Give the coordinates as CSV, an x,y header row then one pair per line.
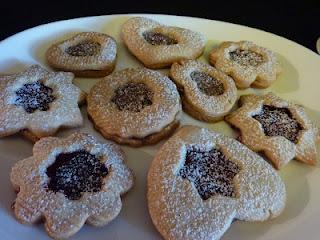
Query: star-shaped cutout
x,y
37,102
278,128
210,172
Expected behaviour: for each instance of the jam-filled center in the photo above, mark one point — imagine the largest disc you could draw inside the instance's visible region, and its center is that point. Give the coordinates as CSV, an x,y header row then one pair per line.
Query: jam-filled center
x,y
278,122
156,38
246,57
76,172
207,84
210,172
84,49
34,96
132,97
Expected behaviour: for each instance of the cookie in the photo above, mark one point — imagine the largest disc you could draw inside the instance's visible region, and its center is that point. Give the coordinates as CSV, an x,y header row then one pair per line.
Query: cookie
x,y
276,127
87,54
68,182
157,45
135,106
247,63
207,94
37,103
200,181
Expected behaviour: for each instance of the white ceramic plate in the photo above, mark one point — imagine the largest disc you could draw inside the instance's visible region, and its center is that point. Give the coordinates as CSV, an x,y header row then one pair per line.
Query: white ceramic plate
x,y
298,82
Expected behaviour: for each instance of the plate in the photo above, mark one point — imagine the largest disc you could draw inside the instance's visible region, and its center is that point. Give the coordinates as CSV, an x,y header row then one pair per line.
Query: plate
x,y
298,82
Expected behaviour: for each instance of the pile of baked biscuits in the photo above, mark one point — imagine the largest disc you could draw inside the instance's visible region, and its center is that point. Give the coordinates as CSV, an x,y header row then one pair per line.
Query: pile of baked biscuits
x,y
200,180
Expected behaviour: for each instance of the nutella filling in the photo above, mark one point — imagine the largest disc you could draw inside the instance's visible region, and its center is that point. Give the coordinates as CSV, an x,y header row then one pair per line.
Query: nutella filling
x,y
155,38
84,49
34,96
210,172
133,97
207,84
278,122
246,57
76,172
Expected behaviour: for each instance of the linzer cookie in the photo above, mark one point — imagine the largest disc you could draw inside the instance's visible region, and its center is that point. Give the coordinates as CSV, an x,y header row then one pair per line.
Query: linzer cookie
x,y
247,63
278,128
70,181
157,45
135,106
87,54
207,93
37,103
200,181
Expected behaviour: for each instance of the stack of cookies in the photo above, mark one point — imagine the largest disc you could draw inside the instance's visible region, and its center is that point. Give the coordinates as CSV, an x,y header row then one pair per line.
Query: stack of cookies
x,y
200,180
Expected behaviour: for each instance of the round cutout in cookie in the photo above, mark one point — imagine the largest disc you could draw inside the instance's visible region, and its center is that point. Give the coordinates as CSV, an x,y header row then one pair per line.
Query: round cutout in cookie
x,y
157,45
207,94
87,54
135,106
69,182
247,63
200,181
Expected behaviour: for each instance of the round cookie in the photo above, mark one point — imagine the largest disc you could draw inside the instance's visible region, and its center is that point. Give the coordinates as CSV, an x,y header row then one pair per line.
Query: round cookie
x,y
200,181
207,94
157,45
36,103
276,127
87,54
68,182
135,106
247,63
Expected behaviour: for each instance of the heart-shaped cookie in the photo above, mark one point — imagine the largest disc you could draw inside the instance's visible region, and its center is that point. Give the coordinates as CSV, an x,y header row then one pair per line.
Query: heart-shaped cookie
x,y
200,181
157,45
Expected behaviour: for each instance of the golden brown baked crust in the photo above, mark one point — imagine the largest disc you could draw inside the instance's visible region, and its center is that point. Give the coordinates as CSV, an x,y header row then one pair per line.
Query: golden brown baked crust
x,y
278,149
210,108
178,211
148,125
258,74
63,110
98,64
190,44
64,217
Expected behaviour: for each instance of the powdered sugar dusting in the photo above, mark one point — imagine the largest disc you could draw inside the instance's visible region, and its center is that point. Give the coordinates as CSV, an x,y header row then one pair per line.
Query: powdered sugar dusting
x,y
63,216
179,212
165,107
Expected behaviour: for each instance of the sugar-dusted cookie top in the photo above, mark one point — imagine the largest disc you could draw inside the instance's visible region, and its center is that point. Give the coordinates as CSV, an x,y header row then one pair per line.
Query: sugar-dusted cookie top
x,y
200,181
39,101
133,104
247,63
207,93
70,181
86,54
157,45
276,127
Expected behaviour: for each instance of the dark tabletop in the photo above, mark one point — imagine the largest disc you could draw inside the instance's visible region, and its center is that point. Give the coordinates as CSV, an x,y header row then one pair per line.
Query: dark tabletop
x,y
295,20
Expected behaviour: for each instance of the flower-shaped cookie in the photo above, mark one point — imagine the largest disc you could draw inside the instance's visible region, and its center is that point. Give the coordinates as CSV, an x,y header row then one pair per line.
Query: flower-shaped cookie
x,y
37,103
87,54
278,128
157,45
247,63
69,182
200,181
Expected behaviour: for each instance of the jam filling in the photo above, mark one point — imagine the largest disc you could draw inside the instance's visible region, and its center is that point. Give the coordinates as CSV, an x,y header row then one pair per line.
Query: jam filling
x,y
133,97
210,172
155,38
76,172
278,122
84,49
207,84
246,57
34,96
